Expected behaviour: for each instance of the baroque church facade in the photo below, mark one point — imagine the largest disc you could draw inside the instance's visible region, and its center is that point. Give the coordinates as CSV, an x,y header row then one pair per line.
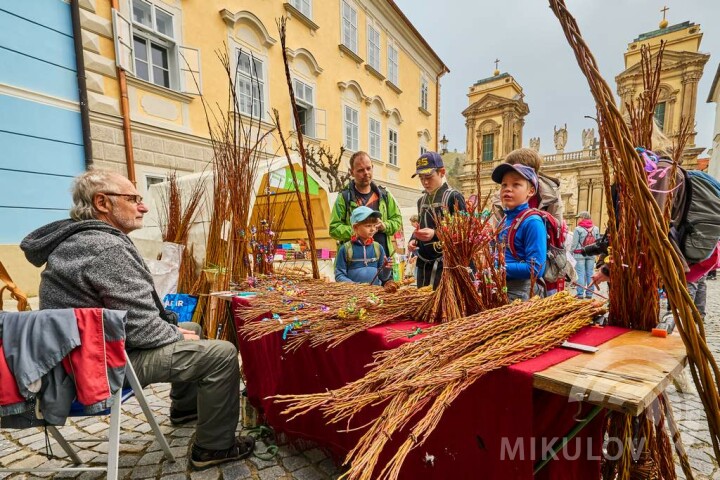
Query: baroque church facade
x,y
497,109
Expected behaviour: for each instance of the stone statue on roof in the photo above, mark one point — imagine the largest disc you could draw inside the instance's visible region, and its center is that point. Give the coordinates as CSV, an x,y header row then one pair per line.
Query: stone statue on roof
x,y
588,138
560,138
535,143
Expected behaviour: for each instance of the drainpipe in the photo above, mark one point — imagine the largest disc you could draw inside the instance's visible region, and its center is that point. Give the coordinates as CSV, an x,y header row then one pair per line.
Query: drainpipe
x,y
437,104
125,111
82,84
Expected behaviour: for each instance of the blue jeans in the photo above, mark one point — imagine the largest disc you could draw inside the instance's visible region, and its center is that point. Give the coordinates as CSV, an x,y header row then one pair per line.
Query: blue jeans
x,y
585,268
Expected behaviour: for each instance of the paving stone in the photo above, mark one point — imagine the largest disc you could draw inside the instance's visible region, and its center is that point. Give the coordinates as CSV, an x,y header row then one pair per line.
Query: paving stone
x,y
128,460
6,460
209,474
315,455
308,473
295,463
287,451
236,470
32,438
262,464
174,476
96,427
151,458
179,465
180,442
30,462
328,466
272,473
145,471
91,475
183,432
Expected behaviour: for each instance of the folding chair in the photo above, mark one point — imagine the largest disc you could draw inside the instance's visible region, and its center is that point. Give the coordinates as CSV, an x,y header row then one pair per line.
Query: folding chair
x,y
114,432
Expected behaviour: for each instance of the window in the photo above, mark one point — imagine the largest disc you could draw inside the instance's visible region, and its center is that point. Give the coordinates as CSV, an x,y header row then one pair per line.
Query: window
x,y
303,6
488,147
392,146
393,65
153,43
424,93
305,105
151,180
373,48
515,141
374,139
349,15
250,85
352,129
423,149
146,47
660,115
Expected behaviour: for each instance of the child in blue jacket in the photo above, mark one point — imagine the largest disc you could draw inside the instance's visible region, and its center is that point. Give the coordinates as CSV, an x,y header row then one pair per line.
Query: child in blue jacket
x,y
360,259
518,183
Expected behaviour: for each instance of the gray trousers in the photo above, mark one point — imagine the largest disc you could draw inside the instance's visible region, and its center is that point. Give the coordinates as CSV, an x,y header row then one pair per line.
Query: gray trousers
x,y
698,292
205,375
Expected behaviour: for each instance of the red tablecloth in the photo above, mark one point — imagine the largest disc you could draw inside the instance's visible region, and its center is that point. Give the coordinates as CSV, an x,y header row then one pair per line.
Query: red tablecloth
x,y
497,428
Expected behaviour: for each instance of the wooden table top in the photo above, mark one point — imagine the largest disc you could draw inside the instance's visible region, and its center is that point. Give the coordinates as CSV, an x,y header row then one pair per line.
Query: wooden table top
x,y
626,373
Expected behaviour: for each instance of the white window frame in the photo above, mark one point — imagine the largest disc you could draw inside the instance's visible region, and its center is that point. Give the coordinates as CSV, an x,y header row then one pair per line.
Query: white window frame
x,y
373,47
393,64
183,62
303,6
259,102
424,92
349,28
300,88
374,138
351,129
393,145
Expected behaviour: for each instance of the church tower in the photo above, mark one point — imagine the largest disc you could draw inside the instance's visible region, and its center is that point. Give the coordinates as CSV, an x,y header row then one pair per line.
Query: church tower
x,y
494,122
681,71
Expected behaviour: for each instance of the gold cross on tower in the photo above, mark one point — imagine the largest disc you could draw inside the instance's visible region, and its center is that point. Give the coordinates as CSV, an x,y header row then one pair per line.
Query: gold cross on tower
x,y
496,72
664,22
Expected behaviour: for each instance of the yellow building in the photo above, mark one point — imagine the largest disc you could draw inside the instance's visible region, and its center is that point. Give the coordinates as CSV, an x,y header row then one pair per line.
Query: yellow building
x,y
364,78
496,111
683,66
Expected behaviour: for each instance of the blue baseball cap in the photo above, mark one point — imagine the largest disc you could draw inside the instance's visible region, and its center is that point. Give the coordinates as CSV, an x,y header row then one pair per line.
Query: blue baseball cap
x,y
526,172
428,162
363,213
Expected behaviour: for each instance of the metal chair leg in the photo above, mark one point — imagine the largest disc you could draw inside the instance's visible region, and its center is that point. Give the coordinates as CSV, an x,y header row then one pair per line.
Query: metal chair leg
x,y
140,395
114,437
64,444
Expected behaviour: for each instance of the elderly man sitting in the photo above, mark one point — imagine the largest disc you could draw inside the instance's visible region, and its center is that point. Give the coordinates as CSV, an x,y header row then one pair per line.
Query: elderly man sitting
x,y
91,262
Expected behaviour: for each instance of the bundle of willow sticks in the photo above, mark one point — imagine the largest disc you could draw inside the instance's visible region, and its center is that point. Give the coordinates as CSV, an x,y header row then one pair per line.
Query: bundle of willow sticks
x,y
324,313
464,236
426,375
617,139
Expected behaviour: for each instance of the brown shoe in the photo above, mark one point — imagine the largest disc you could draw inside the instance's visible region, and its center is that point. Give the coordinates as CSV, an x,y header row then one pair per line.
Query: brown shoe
x,y
202,457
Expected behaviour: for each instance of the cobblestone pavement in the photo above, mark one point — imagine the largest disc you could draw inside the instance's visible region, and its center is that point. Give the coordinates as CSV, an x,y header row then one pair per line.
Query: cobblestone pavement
x,y
304,461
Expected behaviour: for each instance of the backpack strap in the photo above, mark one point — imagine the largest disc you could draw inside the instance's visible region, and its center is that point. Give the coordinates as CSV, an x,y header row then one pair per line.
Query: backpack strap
x,y
515,225
346,197
349,251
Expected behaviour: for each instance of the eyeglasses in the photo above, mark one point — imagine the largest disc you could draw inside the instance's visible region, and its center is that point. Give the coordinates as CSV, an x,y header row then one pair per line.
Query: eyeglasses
x,y
136,199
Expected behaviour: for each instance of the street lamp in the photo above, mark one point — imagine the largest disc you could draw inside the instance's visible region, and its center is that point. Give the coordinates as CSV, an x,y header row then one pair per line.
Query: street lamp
x,y
444,142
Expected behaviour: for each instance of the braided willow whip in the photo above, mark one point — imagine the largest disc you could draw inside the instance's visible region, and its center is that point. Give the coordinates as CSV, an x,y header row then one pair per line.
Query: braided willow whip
x,y
618,140
433,370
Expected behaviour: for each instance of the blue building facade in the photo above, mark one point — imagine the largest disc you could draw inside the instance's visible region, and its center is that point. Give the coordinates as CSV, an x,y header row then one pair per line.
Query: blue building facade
x,y
41,137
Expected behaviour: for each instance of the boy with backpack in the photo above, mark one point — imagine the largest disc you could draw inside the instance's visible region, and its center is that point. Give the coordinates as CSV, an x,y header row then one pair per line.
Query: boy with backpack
x,y
585,234
438,198
524,231
361,259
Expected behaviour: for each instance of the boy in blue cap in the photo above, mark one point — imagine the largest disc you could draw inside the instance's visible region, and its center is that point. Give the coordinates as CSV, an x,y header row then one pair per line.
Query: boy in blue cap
x,y
362,259
518,183
437,199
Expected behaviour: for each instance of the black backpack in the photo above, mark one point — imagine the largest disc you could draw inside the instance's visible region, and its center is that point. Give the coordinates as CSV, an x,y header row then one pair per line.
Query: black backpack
x,y
348,199
698,231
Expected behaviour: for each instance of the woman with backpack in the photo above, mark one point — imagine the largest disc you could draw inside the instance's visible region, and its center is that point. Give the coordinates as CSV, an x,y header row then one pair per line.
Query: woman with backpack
x,y
585,234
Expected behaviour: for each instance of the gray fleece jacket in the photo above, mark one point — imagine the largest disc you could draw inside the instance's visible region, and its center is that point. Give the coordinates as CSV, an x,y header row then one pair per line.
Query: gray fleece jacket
x,y
92,264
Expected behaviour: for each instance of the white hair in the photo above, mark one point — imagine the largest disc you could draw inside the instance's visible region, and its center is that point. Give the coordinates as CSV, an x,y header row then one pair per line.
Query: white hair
x,y
84,189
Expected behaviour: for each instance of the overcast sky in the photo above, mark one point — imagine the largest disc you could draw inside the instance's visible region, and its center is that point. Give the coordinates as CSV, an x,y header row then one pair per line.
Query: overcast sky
x,y
525,35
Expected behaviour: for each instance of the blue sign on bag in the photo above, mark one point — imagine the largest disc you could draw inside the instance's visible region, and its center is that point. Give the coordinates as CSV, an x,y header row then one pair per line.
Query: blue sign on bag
x,y
182,304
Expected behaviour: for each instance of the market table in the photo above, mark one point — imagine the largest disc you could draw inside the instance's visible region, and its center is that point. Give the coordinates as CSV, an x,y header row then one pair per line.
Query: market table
x,y
500,427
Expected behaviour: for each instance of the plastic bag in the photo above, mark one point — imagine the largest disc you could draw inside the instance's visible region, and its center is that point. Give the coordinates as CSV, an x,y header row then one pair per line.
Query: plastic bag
x,y
165,272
